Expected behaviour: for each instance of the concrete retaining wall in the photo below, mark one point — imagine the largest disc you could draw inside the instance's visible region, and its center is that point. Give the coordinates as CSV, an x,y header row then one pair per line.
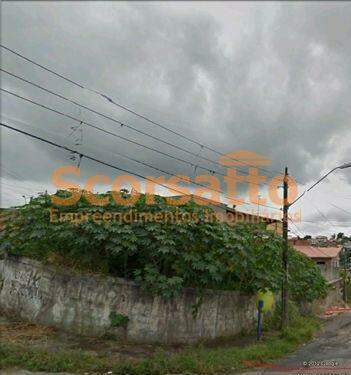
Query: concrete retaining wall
x,y
84,303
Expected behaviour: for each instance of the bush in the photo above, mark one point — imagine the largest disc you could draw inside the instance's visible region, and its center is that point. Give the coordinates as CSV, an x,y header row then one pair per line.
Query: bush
x,y
118,320
306,282
162,256
274,321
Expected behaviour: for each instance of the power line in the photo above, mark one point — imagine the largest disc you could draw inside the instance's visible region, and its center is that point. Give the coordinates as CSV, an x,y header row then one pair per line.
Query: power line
x,y
123,124
12,187
296,234
122,137
321,214
99,128
42,66
95,159
82,154
298,230
341,209
309,246
337,194
299,234
172,174
129,110
13,174
316,223
304,235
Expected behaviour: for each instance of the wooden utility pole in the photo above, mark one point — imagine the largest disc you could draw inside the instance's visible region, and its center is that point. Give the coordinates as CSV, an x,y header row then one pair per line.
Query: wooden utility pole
x,y
285,257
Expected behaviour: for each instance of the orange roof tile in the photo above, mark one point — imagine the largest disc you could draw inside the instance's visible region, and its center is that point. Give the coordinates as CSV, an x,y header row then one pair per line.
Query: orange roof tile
x,y
318,252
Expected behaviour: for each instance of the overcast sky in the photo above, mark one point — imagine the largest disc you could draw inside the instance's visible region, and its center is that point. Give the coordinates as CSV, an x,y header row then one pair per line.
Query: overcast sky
x,y
272,78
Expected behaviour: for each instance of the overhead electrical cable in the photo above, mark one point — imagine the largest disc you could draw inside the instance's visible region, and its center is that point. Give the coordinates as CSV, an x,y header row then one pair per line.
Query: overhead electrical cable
x,y
121,123
174,175
106,97
341,209
124,138
321,214
97,160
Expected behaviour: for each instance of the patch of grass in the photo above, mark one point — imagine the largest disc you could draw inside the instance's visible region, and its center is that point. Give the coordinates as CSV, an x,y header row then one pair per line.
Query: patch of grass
x,y
35,359
118,320
192,360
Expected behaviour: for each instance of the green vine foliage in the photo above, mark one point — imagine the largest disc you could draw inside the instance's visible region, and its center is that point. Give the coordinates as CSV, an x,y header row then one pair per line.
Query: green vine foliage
x,y
162,256
345,258
118,320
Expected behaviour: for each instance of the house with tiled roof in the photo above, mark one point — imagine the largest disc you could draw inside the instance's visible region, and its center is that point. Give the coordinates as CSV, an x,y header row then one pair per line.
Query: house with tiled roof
x,y
232,215
326,258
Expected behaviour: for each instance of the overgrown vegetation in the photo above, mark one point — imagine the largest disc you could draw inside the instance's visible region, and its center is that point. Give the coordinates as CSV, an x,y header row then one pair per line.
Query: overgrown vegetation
x,y
345,258
348,292
118,320
273,321
163,256
192,360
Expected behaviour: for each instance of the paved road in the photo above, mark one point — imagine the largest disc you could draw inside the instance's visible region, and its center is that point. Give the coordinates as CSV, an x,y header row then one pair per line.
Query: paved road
x,y
333,345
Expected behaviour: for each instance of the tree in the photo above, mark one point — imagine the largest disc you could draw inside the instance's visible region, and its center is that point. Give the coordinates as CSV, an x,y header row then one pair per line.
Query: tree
x,y
163,256
340,236
345,258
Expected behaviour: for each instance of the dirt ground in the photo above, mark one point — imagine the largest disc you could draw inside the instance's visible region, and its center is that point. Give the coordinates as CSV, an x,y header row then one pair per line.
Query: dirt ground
x,y
51,339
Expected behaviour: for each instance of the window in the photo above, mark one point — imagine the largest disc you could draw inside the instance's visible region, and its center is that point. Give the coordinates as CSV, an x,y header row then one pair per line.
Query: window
x,y
322,266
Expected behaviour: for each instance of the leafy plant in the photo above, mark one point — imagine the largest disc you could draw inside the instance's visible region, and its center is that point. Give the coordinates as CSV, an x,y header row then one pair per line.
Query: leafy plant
x,y
345,258
162,256
306,282
118,320
274,321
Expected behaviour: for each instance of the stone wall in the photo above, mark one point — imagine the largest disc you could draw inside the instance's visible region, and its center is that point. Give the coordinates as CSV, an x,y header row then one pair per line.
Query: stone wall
x,y
85,304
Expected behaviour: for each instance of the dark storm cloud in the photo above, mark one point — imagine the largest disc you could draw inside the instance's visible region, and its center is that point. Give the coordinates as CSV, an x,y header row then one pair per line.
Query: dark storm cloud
x,y
278,84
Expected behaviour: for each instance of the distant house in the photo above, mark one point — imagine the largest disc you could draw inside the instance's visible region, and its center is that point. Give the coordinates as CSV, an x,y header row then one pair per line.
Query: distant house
x,y
272,224
232,216
299,241
326,258
319,241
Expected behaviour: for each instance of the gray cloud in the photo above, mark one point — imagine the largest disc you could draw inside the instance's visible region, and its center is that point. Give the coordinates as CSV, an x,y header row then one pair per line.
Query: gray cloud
x,y
273,79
